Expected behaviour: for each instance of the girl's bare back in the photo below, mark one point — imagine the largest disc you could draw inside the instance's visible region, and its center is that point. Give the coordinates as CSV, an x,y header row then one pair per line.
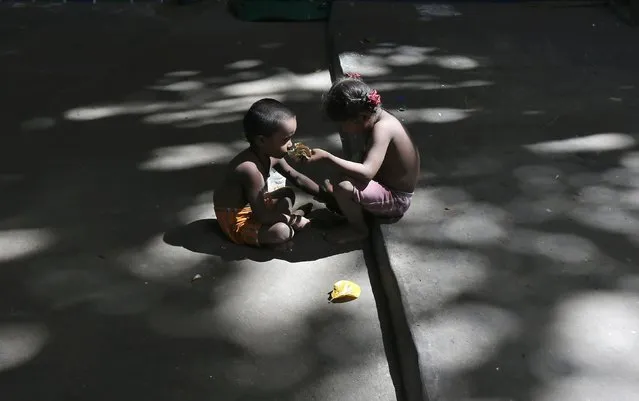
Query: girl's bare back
x,y
401,166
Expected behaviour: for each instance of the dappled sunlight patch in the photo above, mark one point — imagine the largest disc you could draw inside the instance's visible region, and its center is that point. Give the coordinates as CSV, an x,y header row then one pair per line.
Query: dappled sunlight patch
x,y
630,160
98,112
587,387
456,62
592,334
183,157
431,85
435,115
229,118
318,81
195,116
457,272
476,165
181,74
533,112
20,243
545,208
436,204
565,248
402,59
630,199
599,195
603,217
264,302
105,291
475,226
426,11
467,336
367,65
244,64
590,143
202,208
538,178
181,86
620,176
38,123
21,343
156,261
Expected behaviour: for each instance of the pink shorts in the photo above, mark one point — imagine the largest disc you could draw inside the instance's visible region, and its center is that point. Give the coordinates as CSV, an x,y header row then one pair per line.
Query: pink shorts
x,y
380,200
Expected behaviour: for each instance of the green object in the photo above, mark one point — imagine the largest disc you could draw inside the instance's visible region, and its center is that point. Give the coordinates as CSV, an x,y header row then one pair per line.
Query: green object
x,y
280,10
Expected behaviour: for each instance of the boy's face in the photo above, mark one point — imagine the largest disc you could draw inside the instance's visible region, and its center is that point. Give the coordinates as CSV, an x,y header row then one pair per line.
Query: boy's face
x,y
277,145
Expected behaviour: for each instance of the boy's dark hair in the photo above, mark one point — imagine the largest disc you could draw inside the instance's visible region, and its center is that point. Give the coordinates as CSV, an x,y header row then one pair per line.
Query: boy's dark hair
x,y
264,118
348,98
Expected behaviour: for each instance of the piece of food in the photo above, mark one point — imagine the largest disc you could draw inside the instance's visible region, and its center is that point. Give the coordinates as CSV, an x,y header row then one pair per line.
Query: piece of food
x,y
344,291
300,151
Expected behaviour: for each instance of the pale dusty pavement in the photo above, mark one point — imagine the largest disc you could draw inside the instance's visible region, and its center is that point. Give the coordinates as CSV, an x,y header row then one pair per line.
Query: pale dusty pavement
x,y
115,122
517,263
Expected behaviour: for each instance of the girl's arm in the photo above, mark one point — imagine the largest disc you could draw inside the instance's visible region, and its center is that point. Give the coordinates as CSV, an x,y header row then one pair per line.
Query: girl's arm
x,y
367,170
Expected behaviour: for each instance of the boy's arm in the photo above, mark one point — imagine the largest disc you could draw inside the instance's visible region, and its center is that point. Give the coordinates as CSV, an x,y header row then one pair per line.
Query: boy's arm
x,y
366,170
298,179
253,186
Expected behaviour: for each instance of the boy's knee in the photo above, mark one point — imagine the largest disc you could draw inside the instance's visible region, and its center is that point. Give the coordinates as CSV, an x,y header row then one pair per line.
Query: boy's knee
x,y
281,232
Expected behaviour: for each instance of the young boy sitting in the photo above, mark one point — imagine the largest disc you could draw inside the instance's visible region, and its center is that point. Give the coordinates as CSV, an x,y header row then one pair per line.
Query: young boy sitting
x,y
245,211
384,182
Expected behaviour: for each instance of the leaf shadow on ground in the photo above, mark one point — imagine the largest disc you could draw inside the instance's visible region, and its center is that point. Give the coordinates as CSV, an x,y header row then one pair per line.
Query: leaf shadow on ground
x,y
524,224
115,136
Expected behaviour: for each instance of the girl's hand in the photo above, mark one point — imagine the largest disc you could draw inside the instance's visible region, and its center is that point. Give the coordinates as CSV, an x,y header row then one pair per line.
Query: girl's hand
x,y
318,154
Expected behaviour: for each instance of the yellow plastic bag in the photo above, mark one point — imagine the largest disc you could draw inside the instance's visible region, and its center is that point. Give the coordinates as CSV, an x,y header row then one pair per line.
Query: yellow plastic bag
x,y
344,291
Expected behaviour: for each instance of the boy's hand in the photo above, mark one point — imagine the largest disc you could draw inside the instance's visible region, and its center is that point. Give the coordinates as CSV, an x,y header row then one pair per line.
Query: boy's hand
x,y
299,222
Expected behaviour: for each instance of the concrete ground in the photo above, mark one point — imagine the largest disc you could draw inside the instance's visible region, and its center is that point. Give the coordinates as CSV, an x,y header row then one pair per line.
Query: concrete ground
x,y
517,263
115,124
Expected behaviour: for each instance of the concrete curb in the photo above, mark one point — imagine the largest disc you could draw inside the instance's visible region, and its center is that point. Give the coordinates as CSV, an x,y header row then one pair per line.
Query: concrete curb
x,y
403,341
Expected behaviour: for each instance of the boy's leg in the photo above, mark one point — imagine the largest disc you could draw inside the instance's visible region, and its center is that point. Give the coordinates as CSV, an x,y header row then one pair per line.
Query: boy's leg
x,y
278,235
283,199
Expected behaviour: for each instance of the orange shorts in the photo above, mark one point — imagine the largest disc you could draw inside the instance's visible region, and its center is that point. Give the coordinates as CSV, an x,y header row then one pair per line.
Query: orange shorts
x,y
239,225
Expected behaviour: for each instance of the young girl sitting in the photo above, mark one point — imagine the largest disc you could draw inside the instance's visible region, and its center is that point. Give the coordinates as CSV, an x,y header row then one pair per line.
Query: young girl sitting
x,y
384,182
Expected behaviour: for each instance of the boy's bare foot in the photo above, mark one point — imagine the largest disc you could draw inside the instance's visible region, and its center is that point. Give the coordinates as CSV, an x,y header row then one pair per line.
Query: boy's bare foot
x,y
347,234
304,210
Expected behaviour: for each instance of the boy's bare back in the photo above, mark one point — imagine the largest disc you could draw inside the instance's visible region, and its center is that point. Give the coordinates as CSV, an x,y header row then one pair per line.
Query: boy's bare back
x,y
230,193
401,165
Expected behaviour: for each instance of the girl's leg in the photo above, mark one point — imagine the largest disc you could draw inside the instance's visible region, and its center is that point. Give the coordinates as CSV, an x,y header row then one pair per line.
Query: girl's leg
x,y
357,229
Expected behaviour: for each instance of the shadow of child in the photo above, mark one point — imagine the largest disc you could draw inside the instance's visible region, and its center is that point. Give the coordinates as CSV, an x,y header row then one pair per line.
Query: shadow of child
x,y
205,236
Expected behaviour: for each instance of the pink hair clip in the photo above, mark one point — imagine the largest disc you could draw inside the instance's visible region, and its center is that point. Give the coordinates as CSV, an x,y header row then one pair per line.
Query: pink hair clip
x,y
374,98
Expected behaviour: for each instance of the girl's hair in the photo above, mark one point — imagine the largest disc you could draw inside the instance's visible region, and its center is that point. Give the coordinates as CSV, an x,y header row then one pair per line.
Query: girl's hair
x,y
349,97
